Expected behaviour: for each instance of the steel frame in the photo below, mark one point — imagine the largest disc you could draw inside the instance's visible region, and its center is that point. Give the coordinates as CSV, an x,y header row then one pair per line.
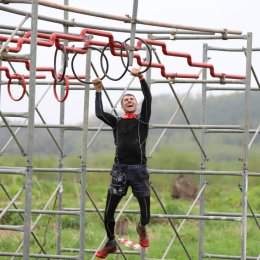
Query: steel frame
x,y
178,33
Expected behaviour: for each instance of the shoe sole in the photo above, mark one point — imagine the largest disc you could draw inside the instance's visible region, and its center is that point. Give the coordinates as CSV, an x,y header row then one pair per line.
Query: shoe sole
x,y
102,257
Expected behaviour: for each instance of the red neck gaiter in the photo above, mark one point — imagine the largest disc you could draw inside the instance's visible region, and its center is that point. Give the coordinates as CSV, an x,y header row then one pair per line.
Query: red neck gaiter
x,y
129,116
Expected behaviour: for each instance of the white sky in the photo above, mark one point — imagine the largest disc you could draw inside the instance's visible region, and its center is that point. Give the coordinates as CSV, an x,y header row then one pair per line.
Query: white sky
x,y
235,15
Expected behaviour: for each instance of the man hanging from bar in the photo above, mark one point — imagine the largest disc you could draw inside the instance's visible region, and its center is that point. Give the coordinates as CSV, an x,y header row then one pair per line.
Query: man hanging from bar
x,y
129,169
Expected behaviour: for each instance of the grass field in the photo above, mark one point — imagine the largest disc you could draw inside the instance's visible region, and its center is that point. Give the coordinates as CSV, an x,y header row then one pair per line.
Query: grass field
x,y
220,237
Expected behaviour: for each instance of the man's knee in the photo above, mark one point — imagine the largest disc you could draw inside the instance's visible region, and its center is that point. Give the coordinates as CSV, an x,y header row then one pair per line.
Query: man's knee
x,y
145,221
108,217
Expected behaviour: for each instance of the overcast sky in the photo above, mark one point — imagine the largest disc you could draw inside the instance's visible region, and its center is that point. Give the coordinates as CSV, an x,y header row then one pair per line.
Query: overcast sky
x,y
237,15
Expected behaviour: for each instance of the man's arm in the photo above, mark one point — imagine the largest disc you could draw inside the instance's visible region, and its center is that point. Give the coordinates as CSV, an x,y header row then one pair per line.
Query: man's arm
x,y
107,118
147,102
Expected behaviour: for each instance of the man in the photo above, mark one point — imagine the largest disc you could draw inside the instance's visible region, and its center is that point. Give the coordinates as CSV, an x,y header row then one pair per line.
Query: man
x,y
129,168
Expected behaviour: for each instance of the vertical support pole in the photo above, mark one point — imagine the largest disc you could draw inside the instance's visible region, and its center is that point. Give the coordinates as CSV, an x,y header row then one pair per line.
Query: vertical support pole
x,y
149,71
61,141
133,30
202,163
246,141
83,178
31,108
0,81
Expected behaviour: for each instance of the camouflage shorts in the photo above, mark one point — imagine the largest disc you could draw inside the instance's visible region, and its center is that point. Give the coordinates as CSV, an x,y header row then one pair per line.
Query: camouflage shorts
x,y
124,175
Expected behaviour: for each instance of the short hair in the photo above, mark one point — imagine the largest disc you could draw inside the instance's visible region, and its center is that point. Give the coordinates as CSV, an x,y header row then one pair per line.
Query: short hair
x,y
127,94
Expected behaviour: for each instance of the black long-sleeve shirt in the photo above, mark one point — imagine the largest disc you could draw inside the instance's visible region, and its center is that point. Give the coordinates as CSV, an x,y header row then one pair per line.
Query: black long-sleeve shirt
x,y
129,134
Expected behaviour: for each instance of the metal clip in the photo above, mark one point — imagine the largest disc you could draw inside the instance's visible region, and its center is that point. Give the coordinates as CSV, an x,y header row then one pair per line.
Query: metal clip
x,y
172,36
224,35
222,79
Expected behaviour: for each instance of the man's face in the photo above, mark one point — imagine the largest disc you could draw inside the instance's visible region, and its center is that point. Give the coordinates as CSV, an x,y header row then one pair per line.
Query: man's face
x,y
129,104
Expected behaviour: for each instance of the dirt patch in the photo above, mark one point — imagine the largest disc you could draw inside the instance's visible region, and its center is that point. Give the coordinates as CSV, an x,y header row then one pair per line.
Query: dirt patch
x,y
8,233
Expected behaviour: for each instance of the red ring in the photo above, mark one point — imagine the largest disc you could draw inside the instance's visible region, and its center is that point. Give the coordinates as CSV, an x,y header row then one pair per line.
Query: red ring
x,y
66,91
16,76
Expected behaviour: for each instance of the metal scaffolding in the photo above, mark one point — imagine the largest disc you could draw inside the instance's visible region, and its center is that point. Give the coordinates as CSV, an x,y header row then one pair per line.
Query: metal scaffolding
x,y
15,42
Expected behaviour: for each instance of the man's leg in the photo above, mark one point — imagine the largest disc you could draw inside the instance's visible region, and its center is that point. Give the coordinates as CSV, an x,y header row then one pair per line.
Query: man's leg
x,y
109,222
144,203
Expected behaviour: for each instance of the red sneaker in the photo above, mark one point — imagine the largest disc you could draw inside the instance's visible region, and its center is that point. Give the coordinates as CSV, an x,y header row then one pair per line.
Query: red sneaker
x,y
110,247
144,240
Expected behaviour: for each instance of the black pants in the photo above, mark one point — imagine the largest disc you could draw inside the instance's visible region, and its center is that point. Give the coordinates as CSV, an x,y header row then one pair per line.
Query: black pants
x,y
111,205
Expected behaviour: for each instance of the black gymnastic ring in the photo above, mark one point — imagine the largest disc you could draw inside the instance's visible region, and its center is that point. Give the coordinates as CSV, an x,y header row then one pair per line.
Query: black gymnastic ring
x,y
64,62
149,51
126,66
73,70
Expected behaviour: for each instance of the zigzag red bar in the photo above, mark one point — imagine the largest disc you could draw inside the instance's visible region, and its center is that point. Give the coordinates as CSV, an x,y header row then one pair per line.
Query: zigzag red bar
x,y
22,77
9,76
54,39
27,65
189,60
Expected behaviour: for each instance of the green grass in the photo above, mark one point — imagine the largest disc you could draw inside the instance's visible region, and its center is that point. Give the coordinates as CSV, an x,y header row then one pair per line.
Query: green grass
x,y
221,195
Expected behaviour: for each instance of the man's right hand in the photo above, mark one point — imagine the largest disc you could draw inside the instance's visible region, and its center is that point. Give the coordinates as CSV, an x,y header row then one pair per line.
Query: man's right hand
x,y
136,73
97,84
